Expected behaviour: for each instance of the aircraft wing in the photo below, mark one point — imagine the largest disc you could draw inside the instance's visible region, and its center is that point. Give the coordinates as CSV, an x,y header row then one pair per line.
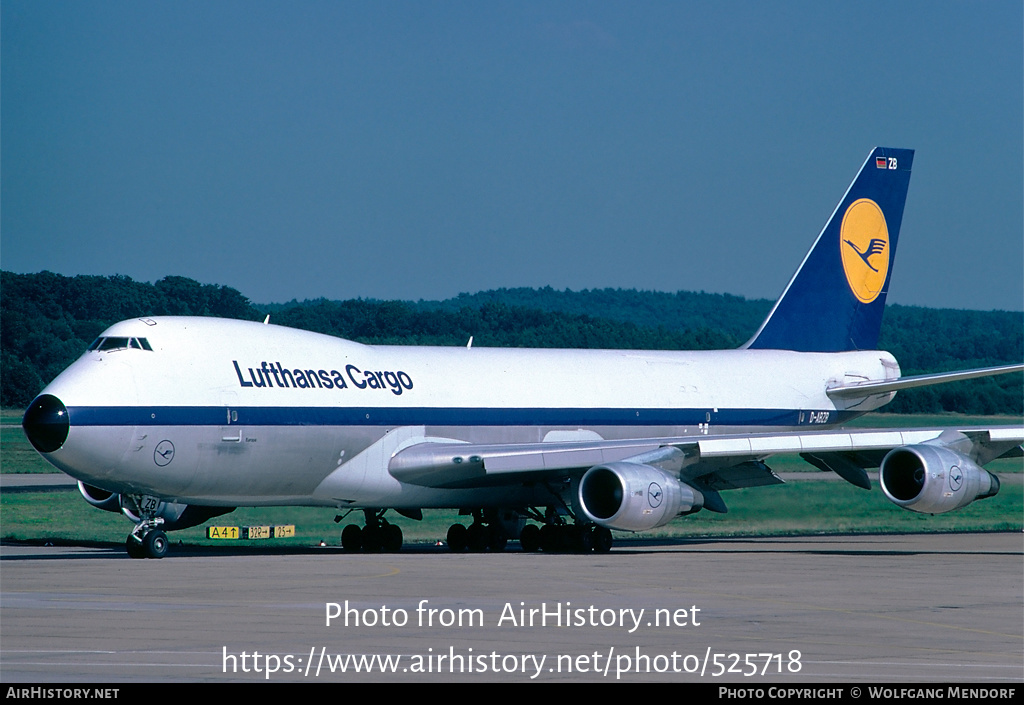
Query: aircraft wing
x,y
709,462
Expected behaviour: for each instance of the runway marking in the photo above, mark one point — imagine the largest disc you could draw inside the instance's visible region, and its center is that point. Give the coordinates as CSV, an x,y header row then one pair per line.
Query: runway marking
x,y
395,570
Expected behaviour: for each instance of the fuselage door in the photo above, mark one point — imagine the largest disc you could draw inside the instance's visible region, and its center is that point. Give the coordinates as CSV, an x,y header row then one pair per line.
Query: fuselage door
x,y
232,429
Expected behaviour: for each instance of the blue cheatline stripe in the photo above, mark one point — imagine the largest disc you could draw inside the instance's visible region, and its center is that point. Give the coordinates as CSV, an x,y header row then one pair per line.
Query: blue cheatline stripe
x,y
429,416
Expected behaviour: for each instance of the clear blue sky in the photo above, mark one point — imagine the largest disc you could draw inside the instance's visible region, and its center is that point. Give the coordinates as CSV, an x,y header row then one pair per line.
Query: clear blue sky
x,y
421,149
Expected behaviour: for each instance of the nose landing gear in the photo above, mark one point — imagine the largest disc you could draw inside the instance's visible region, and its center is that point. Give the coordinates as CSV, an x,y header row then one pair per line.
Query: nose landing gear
x,y
147,540
152,544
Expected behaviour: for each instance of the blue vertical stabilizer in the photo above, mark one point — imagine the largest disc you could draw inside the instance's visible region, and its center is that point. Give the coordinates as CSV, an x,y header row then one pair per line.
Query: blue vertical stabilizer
x,y
836,298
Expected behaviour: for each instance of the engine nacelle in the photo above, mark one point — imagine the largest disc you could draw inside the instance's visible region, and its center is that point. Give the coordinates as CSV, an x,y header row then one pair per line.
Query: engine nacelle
x,y
932,479
175,516
101,499
634,497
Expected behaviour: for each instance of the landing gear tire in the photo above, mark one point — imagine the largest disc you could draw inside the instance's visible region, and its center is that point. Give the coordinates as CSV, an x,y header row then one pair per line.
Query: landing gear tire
x,y
375,536
352,538
146,540
378,535
549,538
583,539
154,544
372,539
529,538
489,531
391,535
134,548
457,538
496,539
476,538
571,538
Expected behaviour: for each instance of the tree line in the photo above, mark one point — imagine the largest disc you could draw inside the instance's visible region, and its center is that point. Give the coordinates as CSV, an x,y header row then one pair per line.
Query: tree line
x,y
47,320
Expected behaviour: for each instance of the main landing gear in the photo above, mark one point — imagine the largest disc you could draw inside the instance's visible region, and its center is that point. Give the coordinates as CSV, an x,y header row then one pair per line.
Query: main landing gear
x,y
477,538
378,535
566,538
490,533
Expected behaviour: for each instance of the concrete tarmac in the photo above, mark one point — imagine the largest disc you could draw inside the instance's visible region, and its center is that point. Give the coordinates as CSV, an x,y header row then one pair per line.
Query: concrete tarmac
x,y
938,608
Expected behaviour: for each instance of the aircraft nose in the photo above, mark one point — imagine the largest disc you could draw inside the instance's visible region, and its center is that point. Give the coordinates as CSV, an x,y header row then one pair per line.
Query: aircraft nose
x,y
46,423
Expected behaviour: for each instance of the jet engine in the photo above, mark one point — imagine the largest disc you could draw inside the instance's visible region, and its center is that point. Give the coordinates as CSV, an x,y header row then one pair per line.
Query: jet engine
x,y
932,479
175,516
634,497
101,499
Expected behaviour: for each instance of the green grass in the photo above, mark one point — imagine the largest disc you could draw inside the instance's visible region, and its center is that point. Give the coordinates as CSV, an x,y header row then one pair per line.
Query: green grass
x,y
801,507
64,516
16,453
11,415
929,420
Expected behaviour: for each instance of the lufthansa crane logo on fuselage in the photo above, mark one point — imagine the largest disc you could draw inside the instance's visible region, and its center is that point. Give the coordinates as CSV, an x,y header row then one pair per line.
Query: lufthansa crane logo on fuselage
x,y
864,243
163,454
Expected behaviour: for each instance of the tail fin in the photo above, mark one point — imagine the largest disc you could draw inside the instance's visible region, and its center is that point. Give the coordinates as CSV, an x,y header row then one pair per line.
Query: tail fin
x,y
835,300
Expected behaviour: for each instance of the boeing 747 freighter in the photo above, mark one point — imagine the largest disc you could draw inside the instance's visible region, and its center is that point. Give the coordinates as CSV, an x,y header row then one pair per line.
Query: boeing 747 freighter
x,y
173,421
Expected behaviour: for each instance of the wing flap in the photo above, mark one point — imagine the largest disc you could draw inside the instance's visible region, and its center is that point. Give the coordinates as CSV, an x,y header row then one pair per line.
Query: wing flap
x,y
749,474
761,446
849,468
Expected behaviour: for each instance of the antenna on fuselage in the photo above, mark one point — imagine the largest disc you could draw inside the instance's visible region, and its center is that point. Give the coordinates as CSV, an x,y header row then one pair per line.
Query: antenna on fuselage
x,y
266,320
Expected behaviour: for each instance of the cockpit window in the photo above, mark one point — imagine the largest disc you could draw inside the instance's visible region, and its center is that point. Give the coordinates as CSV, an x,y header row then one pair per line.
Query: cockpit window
x,y
118,343
114,343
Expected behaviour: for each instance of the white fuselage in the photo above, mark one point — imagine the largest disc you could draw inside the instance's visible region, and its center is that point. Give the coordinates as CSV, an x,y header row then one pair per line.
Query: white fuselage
x,y
226,413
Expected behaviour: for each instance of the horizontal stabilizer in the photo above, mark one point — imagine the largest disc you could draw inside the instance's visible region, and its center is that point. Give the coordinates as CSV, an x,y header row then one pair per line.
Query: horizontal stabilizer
x,y
863,389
